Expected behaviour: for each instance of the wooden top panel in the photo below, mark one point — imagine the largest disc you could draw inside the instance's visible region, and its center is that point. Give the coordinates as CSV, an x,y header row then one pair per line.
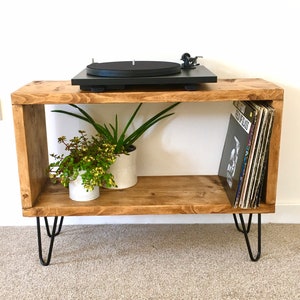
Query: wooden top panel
x,y
62,92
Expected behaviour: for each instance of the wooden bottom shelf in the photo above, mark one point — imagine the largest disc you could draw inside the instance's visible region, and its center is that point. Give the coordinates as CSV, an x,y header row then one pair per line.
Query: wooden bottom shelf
x,y
153,195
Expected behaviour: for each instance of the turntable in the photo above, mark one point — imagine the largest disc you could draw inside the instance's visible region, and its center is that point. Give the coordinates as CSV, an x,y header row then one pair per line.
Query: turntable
x,y
99,77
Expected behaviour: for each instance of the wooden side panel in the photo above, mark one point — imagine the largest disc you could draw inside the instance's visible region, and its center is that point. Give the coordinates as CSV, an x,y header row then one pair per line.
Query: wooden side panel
x,y
32,150
272,174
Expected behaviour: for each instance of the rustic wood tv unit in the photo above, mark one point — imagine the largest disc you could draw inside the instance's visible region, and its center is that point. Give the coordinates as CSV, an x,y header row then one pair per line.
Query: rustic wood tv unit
x,y
152,195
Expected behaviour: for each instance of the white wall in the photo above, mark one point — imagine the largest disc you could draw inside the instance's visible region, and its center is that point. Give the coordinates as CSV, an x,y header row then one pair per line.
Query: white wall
x,y
54,40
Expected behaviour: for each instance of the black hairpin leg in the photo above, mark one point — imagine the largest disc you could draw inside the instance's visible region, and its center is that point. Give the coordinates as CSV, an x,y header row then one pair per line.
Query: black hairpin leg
x,y
245,230
59,227
51,235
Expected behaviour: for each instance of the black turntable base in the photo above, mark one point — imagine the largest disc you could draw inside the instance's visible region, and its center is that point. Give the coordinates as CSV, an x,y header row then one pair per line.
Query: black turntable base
x,y
99,77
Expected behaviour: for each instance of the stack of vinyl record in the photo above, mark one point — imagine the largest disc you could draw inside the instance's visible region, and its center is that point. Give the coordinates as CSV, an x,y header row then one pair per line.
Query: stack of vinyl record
x,y
245,154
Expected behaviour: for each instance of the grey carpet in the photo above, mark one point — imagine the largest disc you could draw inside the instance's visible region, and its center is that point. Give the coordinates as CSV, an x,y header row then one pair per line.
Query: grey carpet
x,y
151,262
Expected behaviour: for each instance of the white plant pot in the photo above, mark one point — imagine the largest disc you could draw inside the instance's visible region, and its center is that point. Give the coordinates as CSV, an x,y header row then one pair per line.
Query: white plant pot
x,y
78,192
124,170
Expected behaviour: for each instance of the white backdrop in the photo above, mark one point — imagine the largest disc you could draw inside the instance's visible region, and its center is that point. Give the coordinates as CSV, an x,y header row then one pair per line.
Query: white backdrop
x,y
54,40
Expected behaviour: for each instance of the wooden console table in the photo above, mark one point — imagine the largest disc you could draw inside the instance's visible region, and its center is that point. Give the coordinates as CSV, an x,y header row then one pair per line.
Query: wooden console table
x,y
152,195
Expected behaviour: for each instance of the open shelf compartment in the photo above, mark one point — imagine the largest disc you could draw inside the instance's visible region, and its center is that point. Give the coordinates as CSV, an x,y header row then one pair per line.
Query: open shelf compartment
x,y
152,195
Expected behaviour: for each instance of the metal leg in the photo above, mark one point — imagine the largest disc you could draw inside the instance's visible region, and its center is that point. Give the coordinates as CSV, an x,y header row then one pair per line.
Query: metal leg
x,y
52,237
245,230
238,226
59,227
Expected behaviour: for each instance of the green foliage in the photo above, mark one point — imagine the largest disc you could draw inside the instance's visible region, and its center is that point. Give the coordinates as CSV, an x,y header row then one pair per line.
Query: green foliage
x,y
112,132
92,155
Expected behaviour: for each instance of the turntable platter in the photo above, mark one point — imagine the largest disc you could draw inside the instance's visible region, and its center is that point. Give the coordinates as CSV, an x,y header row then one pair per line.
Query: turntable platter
x,y
133,69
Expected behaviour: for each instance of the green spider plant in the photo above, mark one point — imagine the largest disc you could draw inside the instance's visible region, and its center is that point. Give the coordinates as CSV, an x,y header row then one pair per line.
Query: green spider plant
x,y
112,133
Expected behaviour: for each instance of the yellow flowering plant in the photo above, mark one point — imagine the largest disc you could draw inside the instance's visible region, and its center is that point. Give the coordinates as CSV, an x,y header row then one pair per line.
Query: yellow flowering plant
x,y
89,157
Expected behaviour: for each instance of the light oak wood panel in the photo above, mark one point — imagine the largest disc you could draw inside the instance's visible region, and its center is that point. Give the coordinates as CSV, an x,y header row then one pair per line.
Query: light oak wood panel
x,y
62,92
32,150
273,161
152,195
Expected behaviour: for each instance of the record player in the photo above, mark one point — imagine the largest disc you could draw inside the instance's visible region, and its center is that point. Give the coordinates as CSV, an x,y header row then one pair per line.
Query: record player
x,y
99,77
